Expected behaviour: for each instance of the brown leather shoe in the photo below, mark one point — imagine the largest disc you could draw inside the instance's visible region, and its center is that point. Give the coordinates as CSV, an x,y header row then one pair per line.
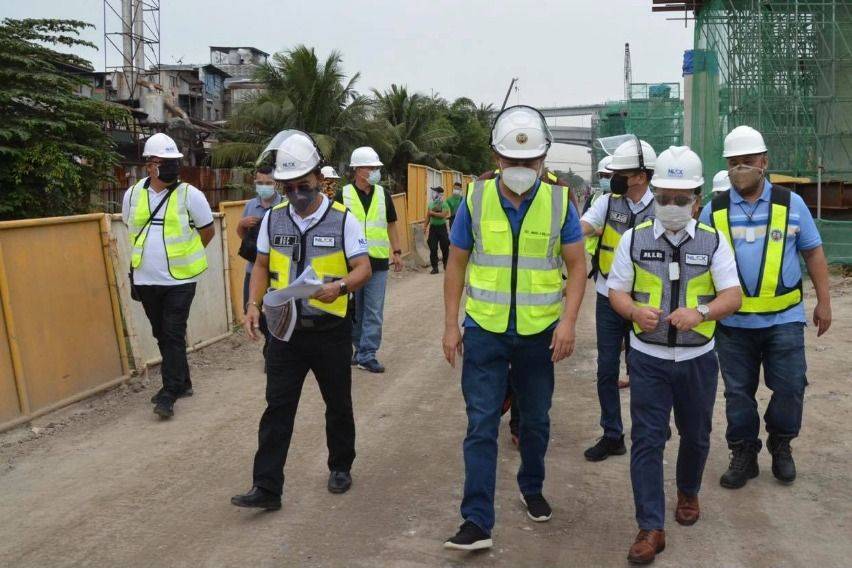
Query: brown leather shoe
x,y
687,511
648,544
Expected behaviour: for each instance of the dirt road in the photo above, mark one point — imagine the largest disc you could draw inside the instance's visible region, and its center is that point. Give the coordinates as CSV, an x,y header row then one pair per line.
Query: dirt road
x,y
105,483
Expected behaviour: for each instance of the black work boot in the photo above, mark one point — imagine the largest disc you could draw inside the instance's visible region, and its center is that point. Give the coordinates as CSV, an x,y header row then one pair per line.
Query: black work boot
x,y
783,466
743,465
258,498
606,447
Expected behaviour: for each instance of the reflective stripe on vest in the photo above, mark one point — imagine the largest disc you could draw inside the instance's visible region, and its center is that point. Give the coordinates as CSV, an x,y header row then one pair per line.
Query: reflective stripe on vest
x,y
185,252
619,217
375,220
652,285
772,296
525,270
592,241
323,248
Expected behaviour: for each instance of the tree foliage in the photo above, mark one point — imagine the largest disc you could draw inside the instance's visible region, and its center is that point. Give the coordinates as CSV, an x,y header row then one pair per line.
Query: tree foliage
x,y
53,149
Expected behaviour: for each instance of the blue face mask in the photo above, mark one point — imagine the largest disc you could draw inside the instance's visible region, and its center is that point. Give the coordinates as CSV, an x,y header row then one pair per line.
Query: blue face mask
x,y
374,177
604,184
264,191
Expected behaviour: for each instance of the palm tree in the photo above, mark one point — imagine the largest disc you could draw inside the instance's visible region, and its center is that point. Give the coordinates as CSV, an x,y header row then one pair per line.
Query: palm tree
x,y
301,93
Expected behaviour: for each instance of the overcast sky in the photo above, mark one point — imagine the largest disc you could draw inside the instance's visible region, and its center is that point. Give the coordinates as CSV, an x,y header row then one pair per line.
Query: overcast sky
x,y
567,52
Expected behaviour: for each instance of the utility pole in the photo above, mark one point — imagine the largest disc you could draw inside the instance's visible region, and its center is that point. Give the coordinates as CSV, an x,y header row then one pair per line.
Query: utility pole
x,y
508,92
628,72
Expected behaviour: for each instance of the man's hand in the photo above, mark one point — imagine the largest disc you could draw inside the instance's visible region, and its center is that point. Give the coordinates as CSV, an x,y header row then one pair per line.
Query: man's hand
x,y
563,340
252,322
249,222
647,318
328,293
396,260
822,317
685,319
452,343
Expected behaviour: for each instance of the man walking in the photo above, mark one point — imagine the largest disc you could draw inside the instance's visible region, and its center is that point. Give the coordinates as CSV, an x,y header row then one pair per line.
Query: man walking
x,y
438,212
511,238
169,224
454,201
769,227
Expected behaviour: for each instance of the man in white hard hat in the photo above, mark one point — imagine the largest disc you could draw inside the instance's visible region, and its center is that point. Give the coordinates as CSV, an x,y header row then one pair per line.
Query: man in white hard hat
x,y
630,203
373,207
169,224
721,181
307,230
330,179
511,238
672,278
769,226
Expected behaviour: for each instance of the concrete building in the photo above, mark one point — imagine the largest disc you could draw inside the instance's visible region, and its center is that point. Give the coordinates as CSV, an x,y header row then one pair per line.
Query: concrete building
x,y
240,63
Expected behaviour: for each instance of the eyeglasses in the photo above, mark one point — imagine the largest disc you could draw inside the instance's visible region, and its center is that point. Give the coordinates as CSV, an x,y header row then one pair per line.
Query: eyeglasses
x,y
301,187
679,200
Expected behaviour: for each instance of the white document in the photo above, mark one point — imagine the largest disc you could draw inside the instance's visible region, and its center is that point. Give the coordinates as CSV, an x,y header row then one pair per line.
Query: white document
x,y
279,306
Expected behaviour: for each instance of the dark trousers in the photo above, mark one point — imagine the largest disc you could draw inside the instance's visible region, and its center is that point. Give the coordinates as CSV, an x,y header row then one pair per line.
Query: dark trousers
x,y
438,236
612,332
328,354
657,386
485,375
167,308
780,349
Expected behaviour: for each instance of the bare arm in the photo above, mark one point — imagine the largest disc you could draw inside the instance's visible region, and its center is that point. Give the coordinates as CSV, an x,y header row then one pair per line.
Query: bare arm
x,y
257,288
589,229
207,234
453,289
359,272
393,236
818,271
564,336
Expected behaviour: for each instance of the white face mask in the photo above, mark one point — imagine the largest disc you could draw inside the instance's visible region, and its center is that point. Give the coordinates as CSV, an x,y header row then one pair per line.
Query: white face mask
x,y
673,217
374,177
519,179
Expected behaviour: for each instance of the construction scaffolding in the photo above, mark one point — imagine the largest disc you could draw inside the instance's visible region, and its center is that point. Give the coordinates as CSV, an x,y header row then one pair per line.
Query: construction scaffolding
x,y
783,67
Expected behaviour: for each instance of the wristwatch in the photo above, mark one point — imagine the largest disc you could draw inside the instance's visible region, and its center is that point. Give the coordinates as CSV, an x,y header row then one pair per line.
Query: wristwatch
x,y
344,289
398,251
252,303
704,310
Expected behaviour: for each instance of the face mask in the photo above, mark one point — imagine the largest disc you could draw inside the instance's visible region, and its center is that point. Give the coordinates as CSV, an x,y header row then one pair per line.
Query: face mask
x,y
673,217
519,179
301,199
618,184
745,177
264,191
374,177
168,171
605,185
456,192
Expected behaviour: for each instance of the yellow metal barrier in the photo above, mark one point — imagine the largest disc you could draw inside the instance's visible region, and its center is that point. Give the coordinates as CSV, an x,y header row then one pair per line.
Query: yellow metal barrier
x,y
236,267
400,203
61,332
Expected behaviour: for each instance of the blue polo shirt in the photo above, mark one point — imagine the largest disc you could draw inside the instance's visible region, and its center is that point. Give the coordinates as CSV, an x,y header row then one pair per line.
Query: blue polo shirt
x,y
802,234
462,232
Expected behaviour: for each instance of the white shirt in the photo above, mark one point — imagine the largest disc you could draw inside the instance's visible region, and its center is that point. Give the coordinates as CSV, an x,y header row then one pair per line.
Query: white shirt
x,y
354,241
154,270
596,217
723,270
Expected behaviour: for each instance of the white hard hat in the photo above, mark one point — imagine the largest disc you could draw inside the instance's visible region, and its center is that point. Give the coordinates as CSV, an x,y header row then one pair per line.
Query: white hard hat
x,y
296,155
161,146
742,141
329,173
602,165
521,133
364,156
721,181
678,168
626,156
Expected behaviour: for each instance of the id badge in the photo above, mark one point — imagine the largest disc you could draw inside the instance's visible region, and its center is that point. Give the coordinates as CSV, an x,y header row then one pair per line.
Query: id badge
x,y
750,236
674,271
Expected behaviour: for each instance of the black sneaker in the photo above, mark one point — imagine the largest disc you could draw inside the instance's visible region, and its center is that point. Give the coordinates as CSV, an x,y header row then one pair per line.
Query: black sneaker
x,y
743,466
354,359
434,271
184,394
165,407
339,482
469,537
258,498
373,366
604,448
783,466
538,509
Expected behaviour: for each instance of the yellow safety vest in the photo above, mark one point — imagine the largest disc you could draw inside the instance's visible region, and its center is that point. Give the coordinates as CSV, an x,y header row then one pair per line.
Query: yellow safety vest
x,y
771,295
523,272
653,286
322,246
375,220
184,249
591,242
619,217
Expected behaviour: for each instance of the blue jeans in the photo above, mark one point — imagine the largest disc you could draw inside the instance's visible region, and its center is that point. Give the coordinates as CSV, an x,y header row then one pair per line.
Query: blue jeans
x,y
781,351
657,386
369,314
485,375
612,331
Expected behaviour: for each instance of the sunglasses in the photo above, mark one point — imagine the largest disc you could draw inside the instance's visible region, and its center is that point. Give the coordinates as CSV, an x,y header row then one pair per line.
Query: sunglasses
x,y
679,200
302,187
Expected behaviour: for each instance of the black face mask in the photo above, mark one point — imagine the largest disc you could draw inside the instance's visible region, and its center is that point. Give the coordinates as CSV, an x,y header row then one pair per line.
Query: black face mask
x,y
168,171
618,184
302,198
